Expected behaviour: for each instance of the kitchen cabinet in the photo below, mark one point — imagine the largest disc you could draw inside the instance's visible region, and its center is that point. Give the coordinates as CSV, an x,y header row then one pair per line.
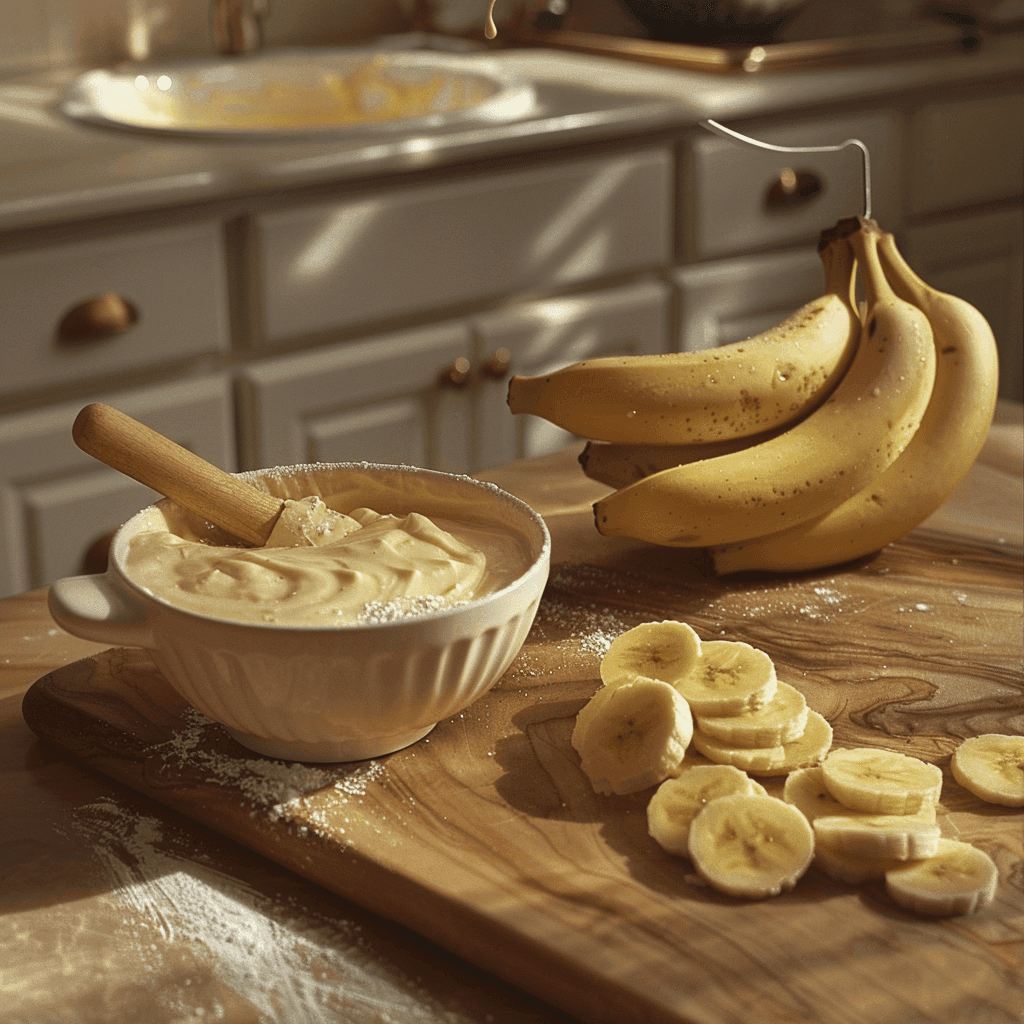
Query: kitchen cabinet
x,y
738,198
394,398
377,314
966,152
946,178
55,500
435,396
723,301
981,259
171,282
543,335
411,250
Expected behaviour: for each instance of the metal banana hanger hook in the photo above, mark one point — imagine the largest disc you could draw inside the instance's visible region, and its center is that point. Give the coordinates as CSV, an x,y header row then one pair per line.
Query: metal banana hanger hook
x,y
720,129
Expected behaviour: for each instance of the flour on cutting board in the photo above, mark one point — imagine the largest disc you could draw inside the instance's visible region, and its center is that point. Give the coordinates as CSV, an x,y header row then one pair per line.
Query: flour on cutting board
x,y
289,962
278,787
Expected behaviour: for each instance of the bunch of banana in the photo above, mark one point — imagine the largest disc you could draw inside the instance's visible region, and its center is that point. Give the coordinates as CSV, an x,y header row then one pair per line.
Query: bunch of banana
x,y
847,467
948,440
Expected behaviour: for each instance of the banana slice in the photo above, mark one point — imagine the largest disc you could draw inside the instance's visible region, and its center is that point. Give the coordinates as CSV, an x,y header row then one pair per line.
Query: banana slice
x,y
805,789
900,836
729,678
754,846
807,749
679,800
656,650
781,720
991,767
633,735
958,879
881,781
850,868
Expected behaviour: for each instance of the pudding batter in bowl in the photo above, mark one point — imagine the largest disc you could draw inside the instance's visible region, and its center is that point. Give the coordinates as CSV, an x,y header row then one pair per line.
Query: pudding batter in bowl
x,y
299,666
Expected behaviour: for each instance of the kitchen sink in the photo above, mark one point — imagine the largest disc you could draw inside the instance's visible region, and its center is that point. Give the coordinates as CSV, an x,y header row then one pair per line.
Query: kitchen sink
x,y
281,93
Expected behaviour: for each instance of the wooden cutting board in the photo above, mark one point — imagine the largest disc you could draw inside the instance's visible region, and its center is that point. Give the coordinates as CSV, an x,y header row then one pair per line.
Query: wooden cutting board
x,y
486,837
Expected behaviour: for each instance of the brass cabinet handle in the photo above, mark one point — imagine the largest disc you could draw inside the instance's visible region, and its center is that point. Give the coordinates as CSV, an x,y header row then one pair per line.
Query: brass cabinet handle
x,y
793,188
498,365
103,316
456,375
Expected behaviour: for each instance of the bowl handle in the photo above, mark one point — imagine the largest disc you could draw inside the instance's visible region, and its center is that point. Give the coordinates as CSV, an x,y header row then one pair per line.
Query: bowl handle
x,y
100,608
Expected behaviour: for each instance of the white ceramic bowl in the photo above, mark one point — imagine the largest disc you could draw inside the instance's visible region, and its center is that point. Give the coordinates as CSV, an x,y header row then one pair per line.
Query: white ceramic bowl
x,y
342,693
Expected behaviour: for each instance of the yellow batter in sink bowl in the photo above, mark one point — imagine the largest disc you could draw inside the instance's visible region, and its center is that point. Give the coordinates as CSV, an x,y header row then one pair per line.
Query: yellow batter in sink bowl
x,y
301,92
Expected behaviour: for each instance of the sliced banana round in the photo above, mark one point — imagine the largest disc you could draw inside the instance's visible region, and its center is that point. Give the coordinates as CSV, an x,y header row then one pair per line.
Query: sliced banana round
x,y
958,879
677,801
729,678
656,650
900,836
632,736
851,868
805,788
991,767
881,781
781,720
753,846
807,749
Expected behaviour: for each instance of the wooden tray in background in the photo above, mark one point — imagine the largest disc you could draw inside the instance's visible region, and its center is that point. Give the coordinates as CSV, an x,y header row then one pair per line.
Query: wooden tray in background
x,y
923,40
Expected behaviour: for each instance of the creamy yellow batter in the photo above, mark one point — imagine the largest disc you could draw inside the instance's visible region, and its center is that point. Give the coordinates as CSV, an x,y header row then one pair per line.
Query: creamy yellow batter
x,y
385,567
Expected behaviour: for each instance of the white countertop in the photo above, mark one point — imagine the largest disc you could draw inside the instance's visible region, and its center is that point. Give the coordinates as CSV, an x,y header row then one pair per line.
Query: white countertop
x,y
54,170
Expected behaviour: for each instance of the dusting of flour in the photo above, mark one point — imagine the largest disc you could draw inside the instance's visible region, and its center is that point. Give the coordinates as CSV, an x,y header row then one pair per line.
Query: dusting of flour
x,y
285,959
277,788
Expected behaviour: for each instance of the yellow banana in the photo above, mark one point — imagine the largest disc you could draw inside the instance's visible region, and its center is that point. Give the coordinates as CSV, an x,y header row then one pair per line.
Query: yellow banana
x,y
816,465
621,463
736,390
937,458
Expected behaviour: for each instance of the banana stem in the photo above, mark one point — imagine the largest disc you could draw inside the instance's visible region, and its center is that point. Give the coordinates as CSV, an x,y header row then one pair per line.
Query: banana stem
x,y
865,246
840,270
905,282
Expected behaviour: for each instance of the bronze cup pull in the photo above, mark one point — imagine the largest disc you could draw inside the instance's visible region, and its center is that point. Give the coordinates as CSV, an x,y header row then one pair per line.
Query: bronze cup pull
x,y
456,375
498,365
792,188
101,317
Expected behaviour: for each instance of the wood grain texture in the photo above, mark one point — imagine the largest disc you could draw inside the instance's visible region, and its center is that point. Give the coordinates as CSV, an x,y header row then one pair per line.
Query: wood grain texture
x,y
487,838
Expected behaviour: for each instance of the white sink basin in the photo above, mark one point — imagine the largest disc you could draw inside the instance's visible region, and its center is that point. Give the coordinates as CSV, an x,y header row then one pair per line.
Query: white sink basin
x,y
282,93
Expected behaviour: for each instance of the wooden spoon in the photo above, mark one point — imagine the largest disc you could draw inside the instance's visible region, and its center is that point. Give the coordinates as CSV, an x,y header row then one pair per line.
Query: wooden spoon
x,y
138,451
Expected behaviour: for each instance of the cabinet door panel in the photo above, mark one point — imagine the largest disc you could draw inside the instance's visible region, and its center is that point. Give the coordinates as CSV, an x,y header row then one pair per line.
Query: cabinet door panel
x,y
544,335
431,246
731,300
173,278
729,208
981,259
967,152
380,398
389,433
55,500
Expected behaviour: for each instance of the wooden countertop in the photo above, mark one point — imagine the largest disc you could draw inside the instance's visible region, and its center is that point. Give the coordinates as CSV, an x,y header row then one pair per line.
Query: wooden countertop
x,y
117,908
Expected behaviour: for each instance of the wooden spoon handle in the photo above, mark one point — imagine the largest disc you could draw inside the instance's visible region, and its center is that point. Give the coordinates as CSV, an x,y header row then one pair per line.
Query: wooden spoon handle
x,y
138,451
